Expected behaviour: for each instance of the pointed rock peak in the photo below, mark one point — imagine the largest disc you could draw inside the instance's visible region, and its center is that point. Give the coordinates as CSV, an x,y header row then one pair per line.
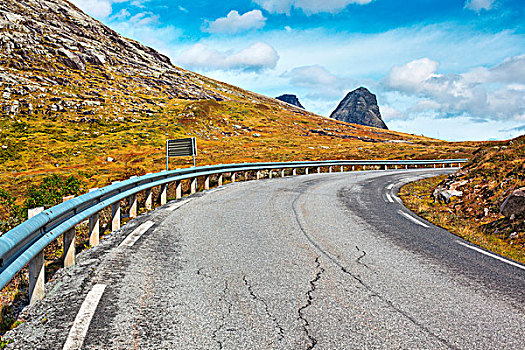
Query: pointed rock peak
x,y
291,99
359,107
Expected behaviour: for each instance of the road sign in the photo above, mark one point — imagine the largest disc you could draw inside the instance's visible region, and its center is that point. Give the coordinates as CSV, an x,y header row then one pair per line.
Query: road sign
x,y
180,148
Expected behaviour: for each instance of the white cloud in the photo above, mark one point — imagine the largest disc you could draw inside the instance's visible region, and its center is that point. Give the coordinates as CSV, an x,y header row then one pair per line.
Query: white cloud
x,y
258,57
95,8
409,77
308,6
235,23
102,9
317,81
495,93
478,5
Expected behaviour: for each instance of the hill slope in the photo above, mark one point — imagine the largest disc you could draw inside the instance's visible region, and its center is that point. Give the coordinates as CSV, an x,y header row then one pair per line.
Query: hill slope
x,y
494,172
78,98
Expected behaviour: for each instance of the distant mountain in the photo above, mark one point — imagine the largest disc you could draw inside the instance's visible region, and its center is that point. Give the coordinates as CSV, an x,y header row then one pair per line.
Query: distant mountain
x,y
359,107
291,99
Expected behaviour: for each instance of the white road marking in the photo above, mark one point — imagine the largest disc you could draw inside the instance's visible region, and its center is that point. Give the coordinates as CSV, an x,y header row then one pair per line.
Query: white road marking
x,y
389,198
136,234
78,332
491,255
389,187
177,205
414,220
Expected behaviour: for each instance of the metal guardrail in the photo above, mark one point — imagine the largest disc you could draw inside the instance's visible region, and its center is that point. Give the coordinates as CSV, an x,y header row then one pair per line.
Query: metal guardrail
x,y
25,243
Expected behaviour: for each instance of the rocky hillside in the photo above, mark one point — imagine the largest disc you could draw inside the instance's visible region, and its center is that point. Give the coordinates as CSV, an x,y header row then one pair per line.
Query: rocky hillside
x,y
359,107
291,99
76,98
469,203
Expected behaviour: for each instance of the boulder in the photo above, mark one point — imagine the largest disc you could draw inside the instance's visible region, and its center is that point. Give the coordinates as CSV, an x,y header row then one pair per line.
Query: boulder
x,y
514,205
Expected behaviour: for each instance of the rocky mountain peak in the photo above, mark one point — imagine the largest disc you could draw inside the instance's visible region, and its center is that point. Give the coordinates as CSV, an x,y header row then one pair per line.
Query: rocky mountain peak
x,y
291,99
359,107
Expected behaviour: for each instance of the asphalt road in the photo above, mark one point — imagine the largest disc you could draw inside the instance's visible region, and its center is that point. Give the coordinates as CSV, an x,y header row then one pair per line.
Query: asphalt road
x,y
330,261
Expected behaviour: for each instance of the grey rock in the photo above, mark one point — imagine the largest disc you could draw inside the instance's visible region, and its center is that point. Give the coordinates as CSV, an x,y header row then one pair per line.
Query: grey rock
x,y
290,99
359,107
71,59
514,205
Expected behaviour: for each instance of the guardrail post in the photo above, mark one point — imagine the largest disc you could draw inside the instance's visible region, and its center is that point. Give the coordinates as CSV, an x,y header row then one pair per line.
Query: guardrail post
x,y
319,170
115,216
68,241
395,166
36,269
386,167
133,206
258,174
69,247
246,173
94,227
270,173
329,169
178,189
149,199
233,177
343,169
406,166
282,173
306,171
364,167
220,180
163,194
294,171
193,185
207,182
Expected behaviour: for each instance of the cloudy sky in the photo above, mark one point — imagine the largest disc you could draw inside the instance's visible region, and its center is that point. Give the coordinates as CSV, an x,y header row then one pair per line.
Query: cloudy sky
x,y
452,69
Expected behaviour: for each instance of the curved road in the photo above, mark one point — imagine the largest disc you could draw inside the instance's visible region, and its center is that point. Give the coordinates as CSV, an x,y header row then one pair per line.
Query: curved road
x,y
330,261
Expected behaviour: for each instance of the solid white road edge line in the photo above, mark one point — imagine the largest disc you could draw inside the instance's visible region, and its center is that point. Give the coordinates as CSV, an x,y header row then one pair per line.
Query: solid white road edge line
x,y
414,220
78,332
136,234
389,198
491,255
177,205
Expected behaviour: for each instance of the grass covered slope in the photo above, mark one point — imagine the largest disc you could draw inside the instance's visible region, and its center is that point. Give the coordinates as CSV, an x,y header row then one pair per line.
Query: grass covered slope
x,y
494,172
76,98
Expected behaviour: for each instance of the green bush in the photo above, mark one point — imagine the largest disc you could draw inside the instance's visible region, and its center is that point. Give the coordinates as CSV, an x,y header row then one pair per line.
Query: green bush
x,y
50,192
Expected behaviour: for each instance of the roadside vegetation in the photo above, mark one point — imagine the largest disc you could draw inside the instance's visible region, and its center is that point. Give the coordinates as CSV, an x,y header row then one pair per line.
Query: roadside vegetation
x,y
494,172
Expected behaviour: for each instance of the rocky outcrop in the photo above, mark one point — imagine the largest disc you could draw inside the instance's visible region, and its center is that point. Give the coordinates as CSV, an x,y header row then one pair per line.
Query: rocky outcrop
x,y
291,99
514,205
51,49
448,189
359,107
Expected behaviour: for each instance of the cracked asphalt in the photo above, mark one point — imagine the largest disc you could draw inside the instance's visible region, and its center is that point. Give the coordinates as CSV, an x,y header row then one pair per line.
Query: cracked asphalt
x,y
307,262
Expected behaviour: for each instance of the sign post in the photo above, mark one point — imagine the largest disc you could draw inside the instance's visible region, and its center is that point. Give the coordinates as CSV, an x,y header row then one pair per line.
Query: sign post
x,y
180,148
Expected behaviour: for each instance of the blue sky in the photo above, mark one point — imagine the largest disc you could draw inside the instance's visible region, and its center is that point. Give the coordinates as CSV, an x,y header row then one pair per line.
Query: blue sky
x,y
453,69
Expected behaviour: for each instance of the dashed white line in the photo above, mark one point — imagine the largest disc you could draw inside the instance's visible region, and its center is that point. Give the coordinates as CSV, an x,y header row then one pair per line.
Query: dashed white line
x,y
491,255
78,332
414,220
389,187
136,234
389,198
177,205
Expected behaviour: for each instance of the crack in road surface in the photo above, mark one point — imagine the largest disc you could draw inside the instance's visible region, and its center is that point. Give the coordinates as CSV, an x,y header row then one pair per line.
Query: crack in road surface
x,y
223,319
266,308
345,270
361,257
309,300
